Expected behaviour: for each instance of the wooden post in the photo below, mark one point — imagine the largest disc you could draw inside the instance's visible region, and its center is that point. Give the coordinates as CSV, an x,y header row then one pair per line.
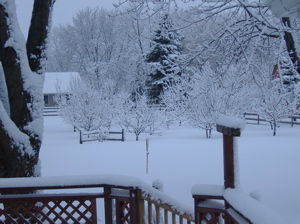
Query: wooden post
x,y
123,135
80,137
147,155
228,153
108,206
228,157
138,208
149,212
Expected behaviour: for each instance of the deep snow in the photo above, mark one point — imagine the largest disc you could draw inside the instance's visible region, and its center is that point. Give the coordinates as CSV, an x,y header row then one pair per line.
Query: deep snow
x,y
182,157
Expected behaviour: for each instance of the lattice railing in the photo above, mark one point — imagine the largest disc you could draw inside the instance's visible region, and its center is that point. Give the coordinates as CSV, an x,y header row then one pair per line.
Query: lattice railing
x,y
121,204
66,208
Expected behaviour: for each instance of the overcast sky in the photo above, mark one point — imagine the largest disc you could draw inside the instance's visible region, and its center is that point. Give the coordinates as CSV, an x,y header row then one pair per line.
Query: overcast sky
x,y
64,10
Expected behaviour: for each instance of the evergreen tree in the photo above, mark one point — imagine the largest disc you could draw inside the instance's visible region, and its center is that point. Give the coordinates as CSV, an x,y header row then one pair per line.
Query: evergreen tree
x,y
164,58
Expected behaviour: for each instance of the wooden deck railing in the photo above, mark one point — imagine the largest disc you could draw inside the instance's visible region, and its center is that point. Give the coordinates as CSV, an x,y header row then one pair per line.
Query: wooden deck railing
x,y
158,212
130,203
214,209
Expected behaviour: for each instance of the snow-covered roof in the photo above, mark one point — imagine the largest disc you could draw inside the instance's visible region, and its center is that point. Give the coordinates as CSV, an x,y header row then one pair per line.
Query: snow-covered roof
x,y
61,79
284,8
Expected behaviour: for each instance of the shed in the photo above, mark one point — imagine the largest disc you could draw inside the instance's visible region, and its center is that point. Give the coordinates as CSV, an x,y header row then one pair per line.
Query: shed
x,y
55,80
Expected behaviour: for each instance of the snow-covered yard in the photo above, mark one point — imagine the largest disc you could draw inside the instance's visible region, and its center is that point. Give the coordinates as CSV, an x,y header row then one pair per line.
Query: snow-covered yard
x,y
183,157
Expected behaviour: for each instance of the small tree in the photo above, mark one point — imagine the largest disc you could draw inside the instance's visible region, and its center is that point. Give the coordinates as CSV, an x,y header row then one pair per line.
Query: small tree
x,y
175,98
211,93
87,107
138,117
273,102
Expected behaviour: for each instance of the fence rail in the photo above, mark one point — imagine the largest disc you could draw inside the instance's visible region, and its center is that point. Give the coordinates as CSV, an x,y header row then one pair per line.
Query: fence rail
x,y
128,203
98,136
258,119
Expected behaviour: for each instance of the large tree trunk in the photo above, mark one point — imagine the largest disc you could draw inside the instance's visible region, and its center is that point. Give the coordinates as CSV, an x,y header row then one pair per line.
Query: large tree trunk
x,y
21,124
290,44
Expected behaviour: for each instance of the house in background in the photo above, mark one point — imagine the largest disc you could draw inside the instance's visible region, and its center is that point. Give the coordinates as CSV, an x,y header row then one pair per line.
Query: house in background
x,y
55,81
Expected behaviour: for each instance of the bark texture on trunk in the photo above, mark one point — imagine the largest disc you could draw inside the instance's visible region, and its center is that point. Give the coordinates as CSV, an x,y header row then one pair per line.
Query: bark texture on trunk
x,y
20,142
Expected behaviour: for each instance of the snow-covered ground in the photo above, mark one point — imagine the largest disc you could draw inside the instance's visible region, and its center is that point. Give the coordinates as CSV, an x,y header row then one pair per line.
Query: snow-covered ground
x,y
182,157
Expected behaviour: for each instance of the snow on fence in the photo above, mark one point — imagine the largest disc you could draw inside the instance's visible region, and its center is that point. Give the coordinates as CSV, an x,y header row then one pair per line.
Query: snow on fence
x,y
214,204
255,117
87,136
124,200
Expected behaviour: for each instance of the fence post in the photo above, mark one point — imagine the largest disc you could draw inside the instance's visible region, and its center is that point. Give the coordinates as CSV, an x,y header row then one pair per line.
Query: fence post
x,y
123,135
80,137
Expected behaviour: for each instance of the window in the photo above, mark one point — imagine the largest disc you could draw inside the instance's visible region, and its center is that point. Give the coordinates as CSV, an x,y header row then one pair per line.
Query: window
x,y
46,99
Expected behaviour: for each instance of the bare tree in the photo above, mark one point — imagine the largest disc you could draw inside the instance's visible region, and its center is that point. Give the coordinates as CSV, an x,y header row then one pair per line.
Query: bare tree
x,y
87,107
21,105
138,117
213,93
101,45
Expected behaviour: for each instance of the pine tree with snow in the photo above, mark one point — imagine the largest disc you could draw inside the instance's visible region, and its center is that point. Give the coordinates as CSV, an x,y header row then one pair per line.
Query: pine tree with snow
x,y
164,58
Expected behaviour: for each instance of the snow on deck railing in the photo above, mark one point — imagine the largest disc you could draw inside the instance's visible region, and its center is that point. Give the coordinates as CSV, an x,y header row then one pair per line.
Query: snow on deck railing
x,y
237,206
149,194
251,208
208,189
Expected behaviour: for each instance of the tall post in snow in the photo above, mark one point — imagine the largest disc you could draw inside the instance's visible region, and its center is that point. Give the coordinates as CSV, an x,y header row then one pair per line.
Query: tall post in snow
x,y
230,128
147,155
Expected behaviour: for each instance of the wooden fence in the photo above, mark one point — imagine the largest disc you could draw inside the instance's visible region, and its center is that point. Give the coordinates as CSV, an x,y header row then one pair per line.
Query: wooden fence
x,y
122,204
257,118
85,136
95,199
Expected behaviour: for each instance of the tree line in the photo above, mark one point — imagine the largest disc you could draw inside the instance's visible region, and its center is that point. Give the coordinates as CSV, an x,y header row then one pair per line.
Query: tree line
x,y
199,62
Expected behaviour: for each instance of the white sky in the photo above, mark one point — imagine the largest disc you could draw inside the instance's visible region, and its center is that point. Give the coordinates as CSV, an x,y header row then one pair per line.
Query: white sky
x,y
64,10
